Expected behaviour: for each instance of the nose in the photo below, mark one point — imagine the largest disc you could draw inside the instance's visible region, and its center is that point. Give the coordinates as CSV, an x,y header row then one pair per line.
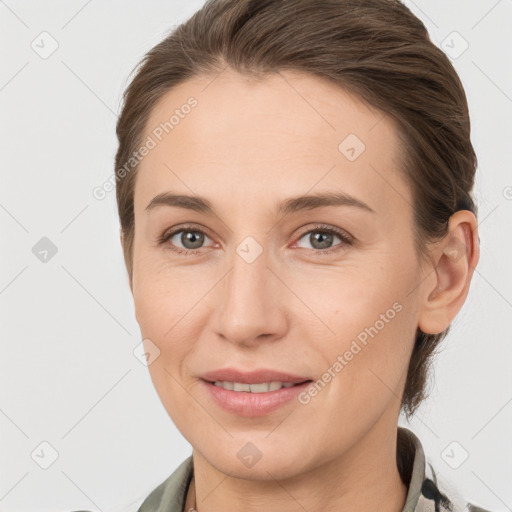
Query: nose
x,y
252,303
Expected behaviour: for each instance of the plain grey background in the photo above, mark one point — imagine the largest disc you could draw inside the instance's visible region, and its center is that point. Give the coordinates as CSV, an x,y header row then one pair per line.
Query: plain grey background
x,y
74,396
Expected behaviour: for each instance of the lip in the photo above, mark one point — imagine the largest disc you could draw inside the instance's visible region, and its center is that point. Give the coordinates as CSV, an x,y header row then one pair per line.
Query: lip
x,y
247,404
253,377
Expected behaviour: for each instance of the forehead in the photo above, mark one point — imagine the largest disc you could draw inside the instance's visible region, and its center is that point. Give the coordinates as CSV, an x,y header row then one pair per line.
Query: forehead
x,y
281,135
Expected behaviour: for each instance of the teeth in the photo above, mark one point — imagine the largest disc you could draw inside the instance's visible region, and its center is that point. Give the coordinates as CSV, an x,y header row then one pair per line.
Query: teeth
x,y
241,387
253,388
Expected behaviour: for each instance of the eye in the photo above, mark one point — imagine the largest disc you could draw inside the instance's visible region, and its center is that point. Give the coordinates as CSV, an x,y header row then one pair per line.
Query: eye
x,y
191,240
322,237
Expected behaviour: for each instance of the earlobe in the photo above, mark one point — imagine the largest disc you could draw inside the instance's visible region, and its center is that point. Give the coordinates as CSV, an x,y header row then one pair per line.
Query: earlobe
x,y
456,257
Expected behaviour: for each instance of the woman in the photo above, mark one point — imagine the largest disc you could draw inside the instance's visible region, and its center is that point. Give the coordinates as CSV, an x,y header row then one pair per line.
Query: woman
x,y
294,183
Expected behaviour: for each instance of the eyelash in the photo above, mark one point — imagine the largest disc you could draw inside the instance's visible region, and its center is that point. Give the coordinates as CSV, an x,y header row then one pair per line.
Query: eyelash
x,y
345,238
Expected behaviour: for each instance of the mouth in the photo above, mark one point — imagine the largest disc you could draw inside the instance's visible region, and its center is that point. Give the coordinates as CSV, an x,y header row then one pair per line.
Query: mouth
x,y
253,399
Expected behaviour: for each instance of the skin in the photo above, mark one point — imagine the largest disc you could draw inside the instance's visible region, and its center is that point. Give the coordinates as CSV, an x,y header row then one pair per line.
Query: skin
x,y
246,146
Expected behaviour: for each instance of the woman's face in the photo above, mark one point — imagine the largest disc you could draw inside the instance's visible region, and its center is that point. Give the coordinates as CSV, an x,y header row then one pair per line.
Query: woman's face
x,y
267,287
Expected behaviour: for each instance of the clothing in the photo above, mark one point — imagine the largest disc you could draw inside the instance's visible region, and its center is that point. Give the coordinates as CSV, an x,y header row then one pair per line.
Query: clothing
x,y
426,493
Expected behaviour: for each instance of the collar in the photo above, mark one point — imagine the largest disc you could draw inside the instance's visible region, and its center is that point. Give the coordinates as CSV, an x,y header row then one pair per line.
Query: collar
x,y
429,491
411,463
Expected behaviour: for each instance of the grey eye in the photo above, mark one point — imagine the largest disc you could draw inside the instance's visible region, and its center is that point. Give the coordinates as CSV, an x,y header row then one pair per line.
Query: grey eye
x,y
319,239
189,238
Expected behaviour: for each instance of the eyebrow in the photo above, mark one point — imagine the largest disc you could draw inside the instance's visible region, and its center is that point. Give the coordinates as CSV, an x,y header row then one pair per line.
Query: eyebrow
x,y
290,205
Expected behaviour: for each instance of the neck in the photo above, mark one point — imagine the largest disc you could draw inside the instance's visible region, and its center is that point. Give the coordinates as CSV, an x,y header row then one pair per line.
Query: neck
x,y
358,480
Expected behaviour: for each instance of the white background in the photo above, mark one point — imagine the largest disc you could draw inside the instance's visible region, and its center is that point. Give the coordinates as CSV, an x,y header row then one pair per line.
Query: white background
x,y
68,373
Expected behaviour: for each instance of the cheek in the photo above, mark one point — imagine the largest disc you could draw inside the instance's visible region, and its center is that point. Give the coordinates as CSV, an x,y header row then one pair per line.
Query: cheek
x,y
364,364
371,382
165,316
164,296
171,308
372,322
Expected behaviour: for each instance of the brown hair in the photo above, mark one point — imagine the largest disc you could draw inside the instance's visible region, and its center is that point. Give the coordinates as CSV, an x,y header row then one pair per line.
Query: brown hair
x,y
376,49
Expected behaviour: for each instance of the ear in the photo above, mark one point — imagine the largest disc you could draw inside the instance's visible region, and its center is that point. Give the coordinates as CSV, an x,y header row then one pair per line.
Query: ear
x,y
455,259
121,238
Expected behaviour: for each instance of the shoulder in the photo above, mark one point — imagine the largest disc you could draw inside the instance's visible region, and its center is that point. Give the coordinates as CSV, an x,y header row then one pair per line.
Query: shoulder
x,y
170,495
440,495
429,490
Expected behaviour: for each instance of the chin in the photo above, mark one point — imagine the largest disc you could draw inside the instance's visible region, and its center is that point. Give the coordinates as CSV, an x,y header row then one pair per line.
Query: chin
x,y
258,461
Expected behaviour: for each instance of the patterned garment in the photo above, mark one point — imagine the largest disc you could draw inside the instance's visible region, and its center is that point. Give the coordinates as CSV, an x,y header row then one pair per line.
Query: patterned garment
x,y
426,492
